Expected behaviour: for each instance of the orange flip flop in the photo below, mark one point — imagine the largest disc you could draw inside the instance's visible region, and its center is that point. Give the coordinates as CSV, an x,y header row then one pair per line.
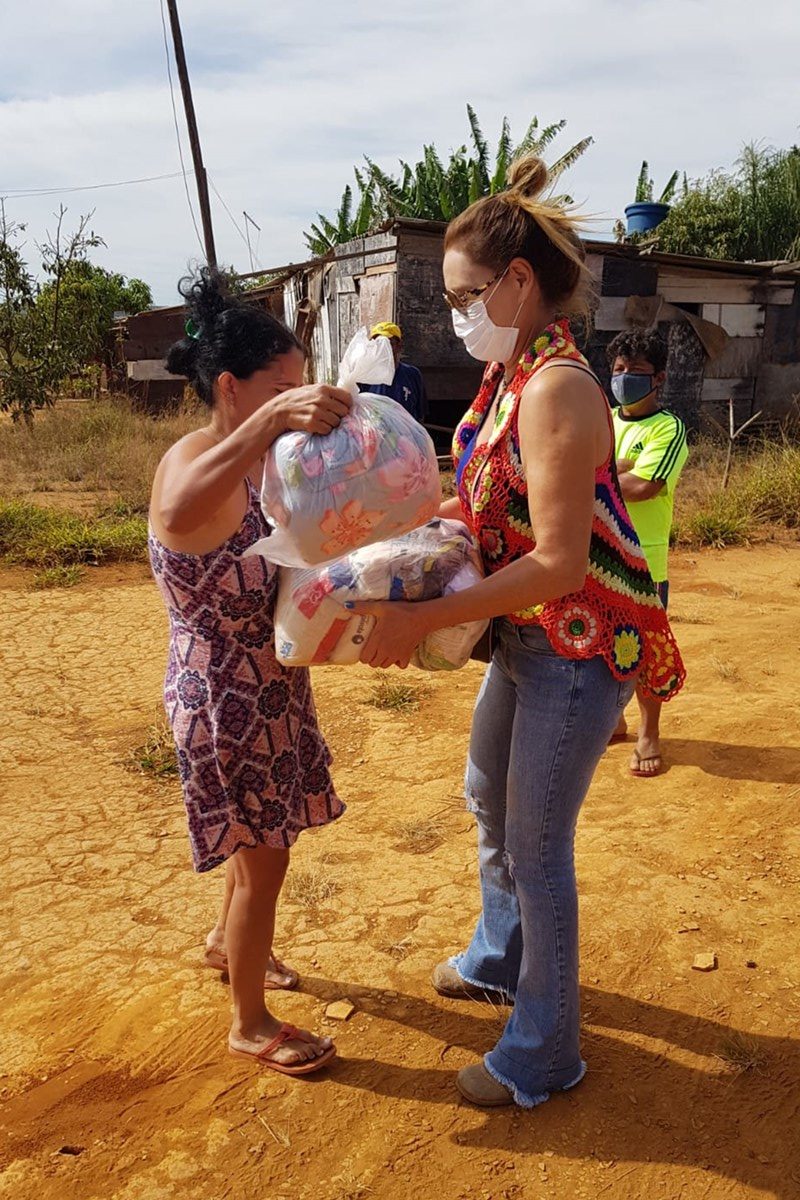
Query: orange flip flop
x,y
218,961
286,1033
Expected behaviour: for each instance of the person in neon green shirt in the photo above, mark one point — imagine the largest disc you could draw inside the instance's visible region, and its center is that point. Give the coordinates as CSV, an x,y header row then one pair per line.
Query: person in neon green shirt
x,y
651,452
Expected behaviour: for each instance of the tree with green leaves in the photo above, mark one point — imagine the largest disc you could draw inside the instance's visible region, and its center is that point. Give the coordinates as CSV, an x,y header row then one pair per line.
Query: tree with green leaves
x,y
751,213
435,189
51,330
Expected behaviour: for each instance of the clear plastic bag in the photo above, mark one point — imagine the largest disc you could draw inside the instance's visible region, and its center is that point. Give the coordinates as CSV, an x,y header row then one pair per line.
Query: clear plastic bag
x,y
313,627
373,477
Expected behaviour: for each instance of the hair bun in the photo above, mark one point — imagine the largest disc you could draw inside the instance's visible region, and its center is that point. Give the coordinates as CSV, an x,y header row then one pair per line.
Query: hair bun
x,y
182,358
528,176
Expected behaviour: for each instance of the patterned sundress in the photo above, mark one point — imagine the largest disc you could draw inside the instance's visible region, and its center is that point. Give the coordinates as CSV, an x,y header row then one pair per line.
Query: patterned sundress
x,y
253,762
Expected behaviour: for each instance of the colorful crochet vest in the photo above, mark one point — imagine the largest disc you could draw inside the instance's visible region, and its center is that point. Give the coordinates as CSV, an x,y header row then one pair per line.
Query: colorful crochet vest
x,y
617,613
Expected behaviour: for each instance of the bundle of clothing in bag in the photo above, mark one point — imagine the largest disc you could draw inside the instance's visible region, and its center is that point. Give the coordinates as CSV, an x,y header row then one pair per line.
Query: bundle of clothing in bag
x,y
350,518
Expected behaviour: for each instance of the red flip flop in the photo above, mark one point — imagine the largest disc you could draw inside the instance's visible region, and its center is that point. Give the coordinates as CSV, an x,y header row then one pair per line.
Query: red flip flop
x,y
286,1033
218,961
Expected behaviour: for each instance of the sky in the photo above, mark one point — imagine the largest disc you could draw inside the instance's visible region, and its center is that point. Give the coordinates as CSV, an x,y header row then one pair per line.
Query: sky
x,y
290,96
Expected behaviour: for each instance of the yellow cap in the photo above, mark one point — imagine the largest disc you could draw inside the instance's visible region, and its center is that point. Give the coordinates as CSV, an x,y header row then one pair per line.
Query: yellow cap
x,y
386,329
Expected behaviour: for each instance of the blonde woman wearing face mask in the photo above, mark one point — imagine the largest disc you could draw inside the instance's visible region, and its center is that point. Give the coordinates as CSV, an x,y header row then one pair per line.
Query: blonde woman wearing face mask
x,y
578,622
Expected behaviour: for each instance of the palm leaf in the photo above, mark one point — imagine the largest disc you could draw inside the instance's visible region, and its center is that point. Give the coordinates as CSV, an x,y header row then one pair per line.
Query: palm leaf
x,y
669,191
644,185
537,140
481,146
504,148
567,160
345,214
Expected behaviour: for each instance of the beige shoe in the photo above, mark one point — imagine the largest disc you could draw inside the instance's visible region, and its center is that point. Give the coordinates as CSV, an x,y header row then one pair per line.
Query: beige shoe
x,y
479,1087
447,982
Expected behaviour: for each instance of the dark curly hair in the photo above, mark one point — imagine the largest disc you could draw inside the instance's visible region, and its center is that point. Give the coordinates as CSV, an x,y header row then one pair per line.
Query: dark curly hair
x,y
230,335
639,343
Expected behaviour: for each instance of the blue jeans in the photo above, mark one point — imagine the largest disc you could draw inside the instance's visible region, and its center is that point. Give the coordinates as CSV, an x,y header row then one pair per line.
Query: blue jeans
x,y
541,724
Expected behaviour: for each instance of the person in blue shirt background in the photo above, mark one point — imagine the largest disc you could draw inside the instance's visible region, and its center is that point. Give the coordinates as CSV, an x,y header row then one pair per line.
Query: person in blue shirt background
x,y
407,387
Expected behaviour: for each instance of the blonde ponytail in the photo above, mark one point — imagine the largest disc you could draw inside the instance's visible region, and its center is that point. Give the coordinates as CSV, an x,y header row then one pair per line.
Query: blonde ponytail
x,y
517,223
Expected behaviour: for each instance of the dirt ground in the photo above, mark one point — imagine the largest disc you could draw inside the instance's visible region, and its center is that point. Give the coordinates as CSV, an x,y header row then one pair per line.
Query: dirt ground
x,y
114,1076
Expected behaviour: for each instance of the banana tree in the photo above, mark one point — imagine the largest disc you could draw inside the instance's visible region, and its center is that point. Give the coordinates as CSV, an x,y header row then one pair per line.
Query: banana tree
x,y
437,190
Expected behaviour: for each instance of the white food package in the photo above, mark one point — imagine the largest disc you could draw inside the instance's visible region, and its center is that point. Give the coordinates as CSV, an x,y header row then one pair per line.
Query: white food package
x,y
374,477
312,627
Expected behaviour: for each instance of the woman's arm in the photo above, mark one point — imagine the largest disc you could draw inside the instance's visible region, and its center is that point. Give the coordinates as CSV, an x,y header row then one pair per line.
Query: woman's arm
x,y
191,487
563,435
450,510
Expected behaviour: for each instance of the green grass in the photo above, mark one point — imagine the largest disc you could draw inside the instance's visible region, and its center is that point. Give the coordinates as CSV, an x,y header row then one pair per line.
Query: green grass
x,y
57,577
763,494
49,537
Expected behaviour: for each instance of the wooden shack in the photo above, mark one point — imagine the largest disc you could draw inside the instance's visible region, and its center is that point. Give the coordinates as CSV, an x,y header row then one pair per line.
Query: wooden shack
x,y
733,328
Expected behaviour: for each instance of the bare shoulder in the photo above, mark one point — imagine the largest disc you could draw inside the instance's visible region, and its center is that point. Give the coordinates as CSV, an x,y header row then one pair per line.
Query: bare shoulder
x,y
561,397
182,452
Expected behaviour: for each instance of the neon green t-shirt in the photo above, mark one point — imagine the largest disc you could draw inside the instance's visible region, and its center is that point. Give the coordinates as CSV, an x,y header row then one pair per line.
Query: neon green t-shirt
x,y
657,447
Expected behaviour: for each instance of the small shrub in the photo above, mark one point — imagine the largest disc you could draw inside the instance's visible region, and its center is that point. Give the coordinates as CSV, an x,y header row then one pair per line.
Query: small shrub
x,y
57,577
418,837
311,883
726,670
156,756
742,1054
396,695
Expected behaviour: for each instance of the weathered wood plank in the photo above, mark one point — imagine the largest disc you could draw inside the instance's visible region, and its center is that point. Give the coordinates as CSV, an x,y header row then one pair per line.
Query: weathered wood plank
x,y
146,369
741,357
777,386
742,320
629,277
378,241
420,245
724,389
610,313
782,331
699,287
377,299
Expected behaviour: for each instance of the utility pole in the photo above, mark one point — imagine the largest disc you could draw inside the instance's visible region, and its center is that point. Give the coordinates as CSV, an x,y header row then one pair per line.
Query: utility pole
x,y
194,138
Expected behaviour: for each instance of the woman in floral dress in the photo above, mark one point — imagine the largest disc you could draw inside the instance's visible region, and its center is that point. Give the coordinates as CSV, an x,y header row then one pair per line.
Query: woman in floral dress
x,y
253,763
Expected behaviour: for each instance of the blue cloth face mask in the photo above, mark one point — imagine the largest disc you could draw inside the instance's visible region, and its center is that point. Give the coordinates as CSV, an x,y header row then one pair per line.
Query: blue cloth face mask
x,y
629,388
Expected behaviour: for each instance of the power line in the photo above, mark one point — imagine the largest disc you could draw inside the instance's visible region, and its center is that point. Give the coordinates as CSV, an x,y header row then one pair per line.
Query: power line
x,y
20,193
234,222
177,129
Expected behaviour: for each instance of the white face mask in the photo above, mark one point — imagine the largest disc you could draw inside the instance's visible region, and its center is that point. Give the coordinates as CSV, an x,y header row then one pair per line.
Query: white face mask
x,y
482,338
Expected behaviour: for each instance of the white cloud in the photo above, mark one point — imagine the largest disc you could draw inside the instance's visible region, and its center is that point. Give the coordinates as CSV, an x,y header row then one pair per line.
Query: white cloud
x,y
289,99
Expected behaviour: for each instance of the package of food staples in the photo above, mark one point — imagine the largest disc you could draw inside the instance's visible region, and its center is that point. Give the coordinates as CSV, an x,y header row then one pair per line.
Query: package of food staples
x,y
374,477
312,626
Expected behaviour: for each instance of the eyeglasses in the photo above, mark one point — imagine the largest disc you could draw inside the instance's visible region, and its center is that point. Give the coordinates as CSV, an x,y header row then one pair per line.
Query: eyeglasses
x,y
461,301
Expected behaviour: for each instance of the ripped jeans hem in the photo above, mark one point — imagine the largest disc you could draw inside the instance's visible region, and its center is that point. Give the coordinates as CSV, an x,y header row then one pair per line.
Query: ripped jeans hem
x,y
455,963
523,1099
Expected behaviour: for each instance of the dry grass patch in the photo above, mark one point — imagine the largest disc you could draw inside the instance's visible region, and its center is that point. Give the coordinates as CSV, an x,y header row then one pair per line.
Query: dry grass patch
x,y
725,670
401,948
418,836
396,695
104,446
311,883
156,756
742,1054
